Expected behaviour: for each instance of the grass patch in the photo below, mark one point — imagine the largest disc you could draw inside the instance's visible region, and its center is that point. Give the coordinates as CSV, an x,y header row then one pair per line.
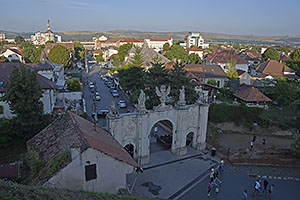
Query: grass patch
x,y
14,191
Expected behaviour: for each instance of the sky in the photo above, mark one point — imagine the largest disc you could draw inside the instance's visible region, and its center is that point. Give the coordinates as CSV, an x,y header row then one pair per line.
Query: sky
x,y
244,17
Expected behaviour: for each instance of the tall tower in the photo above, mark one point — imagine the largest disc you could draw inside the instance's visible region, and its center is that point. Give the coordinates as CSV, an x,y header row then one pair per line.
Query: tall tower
x,y
48,24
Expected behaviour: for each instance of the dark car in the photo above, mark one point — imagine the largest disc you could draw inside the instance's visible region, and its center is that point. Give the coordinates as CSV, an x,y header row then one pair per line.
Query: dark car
x,y
110,84
102,113
112,89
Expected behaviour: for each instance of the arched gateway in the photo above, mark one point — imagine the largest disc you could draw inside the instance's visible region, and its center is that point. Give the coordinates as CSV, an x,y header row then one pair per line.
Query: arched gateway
x,y
135,128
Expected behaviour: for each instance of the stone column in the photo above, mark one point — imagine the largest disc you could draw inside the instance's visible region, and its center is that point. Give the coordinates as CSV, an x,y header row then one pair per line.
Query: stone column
x,y
143,151
201,136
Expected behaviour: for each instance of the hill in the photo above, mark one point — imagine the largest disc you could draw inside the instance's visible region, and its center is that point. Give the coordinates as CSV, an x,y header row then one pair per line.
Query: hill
x,y
177,36
14,191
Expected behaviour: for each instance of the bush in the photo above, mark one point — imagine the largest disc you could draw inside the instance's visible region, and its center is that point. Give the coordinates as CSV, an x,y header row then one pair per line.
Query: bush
x,y
74,85
55,163
295,146
34,162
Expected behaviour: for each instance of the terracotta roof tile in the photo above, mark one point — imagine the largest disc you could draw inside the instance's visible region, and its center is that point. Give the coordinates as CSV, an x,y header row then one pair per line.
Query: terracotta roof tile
x,y
252,95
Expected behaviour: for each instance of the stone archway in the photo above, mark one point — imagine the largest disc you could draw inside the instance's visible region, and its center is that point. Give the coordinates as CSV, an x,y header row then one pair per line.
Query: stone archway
x,y
136,127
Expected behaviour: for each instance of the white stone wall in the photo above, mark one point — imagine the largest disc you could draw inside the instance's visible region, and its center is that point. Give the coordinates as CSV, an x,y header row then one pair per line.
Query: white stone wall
x,y
48,100
134,128
111,173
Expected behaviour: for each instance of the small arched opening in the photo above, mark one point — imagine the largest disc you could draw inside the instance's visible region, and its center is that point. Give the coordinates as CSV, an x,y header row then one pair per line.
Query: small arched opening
x,y
130,149
189,139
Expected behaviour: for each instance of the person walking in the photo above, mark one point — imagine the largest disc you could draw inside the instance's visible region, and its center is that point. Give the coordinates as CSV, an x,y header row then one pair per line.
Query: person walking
x,y
220,169
254,137
266,183
256,188
271,189
263,141
216,177
245,195
209,188
251,145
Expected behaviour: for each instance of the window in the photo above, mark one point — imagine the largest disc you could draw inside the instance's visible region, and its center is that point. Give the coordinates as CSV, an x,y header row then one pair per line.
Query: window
x,y
1,83
90,172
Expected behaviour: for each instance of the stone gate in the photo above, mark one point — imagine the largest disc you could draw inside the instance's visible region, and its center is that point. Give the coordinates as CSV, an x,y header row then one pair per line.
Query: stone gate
x,y
135,128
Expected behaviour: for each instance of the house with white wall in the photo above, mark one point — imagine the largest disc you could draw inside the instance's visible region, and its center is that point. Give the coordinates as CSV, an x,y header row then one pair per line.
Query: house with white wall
x,y
48,96
12,55
195,40
197,51
92,159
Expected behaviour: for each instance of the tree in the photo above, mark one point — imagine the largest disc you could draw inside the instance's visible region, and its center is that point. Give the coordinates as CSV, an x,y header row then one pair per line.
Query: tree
x,y
116,60
295,55
19,39
286,91
79,50
230,68
60,55
123,51
295,146
31,54
99,58
179,53
194,58
132,78
284,49
137,60
27,108
212,82
166,47
178,78
270,54
74,85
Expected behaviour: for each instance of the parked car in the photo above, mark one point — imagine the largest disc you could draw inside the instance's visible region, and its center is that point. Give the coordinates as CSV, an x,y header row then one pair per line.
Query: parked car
x,y
112,89
115,93
122,103
102,113
97,96
110,84
92,87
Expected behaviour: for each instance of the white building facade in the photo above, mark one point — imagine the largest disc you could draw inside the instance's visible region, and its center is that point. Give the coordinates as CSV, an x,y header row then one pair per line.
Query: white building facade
x,y
195,40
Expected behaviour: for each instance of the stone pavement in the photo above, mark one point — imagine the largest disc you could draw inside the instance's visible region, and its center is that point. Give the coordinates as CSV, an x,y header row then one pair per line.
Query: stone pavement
x,y
168,175
235,179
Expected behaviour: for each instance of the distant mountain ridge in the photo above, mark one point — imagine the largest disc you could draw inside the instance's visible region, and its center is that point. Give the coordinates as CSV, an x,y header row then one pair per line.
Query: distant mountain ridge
x,y
177,36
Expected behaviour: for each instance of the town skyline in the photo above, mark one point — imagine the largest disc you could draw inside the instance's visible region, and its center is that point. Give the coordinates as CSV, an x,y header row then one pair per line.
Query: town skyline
x,y
231,17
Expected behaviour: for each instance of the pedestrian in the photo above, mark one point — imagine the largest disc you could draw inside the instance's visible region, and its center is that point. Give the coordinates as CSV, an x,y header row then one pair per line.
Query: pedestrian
x,y
221,166
251,145
245,195
216,177
217,190
209,188
256,187
271,189
265,185
263,141
254,137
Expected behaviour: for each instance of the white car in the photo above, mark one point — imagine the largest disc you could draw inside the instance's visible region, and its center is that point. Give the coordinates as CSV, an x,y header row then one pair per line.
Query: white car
x,y
122,104
97,96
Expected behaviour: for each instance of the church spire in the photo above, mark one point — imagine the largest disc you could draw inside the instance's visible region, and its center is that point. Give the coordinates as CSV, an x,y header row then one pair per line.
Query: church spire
x,y
48,24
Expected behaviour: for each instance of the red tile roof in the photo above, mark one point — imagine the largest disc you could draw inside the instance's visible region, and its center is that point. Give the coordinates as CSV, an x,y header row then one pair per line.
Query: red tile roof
x,y
225,57
252,95
273,68
195,49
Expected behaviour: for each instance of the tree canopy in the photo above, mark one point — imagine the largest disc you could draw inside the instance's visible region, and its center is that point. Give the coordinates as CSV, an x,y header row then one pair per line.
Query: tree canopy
x,y
19,39
166,47
271,54
230,70
295,55
60,55
99,58
27,108
194,58
74,85
179,53
31,54
123,51
79,50
137,60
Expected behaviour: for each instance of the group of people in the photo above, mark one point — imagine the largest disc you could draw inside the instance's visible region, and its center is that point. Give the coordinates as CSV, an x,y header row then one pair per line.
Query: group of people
x,y
214,178
253,140
259,189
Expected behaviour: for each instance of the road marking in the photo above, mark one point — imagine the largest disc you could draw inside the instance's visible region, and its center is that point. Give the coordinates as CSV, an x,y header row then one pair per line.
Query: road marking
x,y
272,177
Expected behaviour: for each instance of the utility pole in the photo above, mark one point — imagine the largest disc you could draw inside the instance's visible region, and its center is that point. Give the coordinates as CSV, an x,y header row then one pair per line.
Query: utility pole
x,y
86,62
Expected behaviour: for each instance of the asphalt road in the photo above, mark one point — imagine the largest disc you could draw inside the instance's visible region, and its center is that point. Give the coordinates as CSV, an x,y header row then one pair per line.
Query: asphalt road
x,y
104,91
236,179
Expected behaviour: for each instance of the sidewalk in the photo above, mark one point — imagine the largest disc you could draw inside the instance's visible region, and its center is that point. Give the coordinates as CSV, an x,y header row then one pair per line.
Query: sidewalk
x,y
168,175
